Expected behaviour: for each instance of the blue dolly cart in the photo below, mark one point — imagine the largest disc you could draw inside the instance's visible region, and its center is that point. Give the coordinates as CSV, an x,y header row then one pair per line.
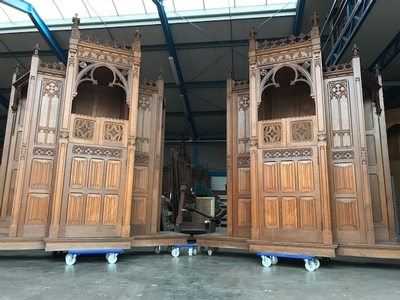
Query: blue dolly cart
x,y
111,255
311,263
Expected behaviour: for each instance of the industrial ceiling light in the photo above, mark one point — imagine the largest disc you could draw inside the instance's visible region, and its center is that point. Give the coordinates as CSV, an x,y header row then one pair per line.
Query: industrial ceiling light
x,y
173,69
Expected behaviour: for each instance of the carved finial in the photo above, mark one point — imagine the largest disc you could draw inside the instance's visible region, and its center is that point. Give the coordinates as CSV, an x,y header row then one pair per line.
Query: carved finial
x,y
355,50
230,73
315,19
377,70
161,74
36,49
253,33
75,29
76,21
138,34
17,69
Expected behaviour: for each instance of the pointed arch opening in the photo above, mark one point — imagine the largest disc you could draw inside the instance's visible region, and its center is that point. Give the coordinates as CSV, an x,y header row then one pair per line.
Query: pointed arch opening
x,y
286,98
98,97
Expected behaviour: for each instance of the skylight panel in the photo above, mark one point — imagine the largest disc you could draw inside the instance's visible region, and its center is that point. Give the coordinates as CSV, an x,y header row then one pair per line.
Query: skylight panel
x,y
129,7
281,1
210,4
12,14
46,9
181,5
250,2
100,8
150,6
69,8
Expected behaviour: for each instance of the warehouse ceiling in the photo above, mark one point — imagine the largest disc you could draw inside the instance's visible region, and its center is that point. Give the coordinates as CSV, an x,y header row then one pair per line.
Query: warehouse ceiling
x,y
201,40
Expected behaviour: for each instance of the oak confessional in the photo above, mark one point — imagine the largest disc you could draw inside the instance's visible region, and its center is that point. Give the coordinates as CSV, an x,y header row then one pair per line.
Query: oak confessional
x,y
83,158
307,160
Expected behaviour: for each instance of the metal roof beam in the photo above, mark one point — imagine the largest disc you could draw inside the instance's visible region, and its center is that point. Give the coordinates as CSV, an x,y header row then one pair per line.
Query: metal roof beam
x,y
299,17
356,16
173,54
40,25
388,54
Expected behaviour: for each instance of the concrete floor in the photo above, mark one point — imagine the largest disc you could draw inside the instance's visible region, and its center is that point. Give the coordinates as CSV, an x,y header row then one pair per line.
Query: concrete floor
x,y
142,274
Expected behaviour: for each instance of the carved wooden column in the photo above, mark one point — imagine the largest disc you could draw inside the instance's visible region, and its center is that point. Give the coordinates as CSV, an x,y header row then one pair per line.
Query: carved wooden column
x,y
229,152
254,92
130,159
321,129
71,72
366,193
385,160
8,150
158,157
19,183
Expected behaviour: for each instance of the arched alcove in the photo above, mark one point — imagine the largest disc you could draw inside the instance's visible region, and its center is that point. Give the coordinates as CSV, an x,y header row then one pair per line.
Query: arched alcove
x,y
100,98
286,101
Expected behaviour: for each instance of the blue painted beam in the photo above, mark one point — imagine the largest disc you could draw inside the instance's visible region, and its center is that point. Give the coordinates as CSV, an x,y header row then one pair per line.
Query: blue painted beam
x,y
172,52
358,15
388,54
40,25
199,85
299,17
390,95
4,101
208,113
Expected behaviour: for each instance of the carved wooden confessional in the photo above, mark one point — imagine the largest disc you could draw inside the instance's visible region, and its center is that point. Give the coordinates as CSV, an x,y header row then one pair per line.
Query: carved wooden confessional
x,y
306,151
84,142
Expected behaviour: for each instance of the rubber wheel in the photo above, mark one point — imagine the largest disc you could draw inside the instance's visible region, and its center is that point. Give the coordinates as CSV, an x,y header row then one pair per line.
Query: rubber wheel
x,y
274,260
194,251
70,259
310,266
112,258
209,252
175,252
317,263
266,261
157,249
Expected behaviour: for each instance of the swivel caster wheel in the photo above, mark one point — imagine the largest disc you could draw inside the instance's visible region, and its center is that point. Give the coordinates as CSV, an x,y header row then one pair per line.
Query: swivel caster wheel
x,y
70,259
112,258
316,262
157,249
274,260
210,251
175,252
266,261
309,265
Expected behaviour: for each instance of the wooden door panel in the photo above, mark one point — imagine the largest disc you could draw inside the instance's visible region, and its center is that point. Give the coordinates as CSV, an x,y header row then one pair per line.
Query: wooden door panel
x,y
94,189
289,193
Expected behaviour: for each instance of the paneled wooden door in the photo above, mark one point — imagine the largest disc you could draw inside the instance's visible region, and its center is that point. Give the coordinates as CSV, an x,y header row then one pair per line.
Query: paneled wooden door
x,y
289,196
94,179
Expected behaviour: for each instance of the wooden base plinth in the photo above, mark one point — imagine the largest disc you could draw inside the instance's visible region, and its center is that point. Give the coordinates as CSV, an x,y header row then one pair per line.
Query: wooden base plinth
x,y
65,244
372,251
221,241
293,248
163,238
7,243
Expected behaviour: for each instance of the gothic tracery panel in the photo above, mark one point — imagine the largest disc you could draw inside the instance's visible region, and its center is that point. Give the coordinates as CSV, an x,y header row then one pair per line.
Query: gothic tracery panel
x,y
340,113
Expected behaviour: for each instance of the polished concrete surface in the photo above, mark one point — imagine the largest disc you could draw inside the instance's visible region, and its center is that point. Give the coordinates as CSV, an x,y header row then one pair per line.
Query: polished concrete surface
x,y
143,274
